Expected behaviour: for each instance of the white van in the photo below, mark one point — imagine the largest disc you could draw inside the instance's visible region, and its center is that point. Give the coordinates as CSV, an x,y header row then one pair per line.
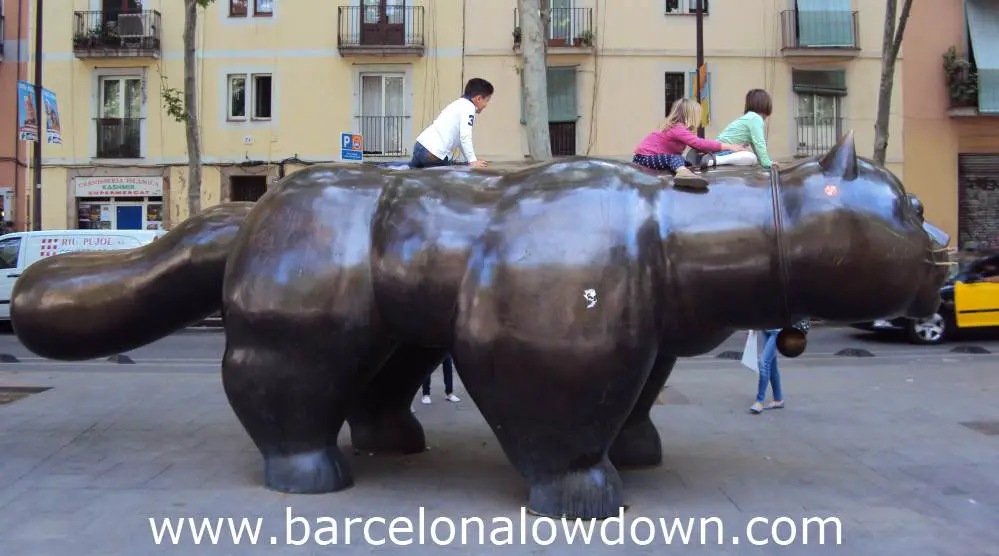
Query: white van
x,y
19,250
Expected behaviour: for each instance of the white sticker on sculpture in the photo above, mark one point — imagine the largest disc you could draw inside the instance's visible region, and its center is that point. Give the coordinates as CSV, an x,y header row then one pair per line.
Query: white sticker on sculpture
x,y
590,296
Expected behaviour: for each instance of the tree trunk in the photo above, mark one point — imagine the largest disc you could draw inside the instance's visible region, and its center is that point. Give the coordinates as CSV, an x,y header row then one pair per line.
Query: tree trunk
x,y
535,76
892,42
191,110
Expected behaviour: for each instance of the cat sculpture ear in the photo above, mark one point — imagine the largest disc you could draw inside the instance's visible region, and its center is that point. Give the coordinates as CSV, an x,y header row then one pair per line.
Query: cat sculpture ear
x,y
841,160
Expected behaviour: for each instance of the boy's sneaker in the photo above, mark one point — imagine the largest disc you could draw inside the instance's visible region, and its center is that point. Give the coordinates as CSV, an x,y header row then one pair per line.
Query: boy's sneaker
x,y
756,407
452,398
426,400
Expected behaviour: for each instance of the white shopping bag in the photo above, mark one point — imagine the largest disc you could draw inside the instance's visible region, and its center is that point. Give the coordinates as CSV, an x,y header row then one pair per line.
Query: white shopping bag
x,y
750,354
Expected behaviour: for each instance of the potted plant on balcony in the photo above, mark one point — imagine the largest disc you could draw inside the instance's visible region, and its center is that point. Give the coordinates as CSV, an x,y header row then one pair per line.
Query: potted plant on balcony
x,y
584,39
962,81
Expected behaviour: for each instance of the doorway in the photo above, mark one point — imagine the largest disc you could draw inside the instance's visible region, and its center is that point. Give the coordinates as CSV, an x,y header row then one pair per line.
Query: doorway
x,y
129,216
247,188
383,22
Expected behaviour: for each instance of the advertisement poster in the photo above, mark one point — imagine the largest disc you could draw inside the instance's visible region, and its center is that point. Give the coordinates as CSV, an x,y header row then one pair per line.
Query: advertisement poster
x,y
27,119
54,134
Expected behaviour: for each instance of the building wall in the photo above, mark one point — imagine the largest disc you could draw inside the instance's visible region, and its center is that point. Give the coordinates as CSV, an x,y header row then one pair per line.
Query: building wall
x,y
12,174
933,138
620,91
315,94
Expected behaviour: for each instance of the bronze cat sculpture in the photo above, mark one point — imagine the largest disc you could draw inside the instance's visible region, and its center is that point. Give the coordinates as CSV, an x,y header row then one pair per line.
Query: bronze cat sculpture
x,y
565,291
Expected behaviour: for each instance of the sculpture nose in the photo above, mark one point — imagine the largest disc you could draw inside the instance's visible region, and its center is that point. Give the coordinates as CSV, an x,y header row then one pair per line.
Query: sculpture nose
x,y
936,234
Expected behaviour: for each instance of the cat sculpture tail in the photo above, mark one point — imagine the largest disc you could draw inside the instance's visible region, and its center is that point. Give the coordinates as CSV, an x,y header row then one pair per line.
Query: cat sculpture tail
x,y
90,304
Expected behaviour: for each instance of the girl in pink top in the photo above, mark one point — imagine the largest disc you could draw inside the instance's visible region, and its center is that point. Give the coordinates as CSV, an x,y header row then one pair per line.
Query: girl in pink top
x,y
663,149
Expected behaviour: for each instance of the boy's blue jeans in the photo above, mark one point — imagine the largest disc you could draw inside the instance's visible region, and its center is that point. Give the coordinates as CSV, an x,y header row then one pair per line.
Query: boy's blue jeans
x,y
448,378
768,367
422,158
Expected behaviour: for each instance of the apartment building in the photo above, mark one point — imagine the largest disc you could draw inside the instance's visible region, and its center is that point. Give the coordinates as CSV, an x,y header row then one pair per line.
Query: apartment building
x,y
616,67
279,80
951,118
14,154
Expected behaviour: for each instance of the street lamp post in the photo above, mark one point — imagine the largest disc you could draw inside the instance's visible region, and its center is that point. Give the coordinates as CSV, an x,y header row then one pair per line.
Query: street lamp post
x,y
700,60
36,218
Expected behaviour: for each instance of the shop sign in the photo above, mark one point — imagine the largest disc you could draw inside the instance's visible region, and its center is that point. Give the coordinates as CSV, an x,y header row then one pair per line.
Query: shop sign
x,y
120,187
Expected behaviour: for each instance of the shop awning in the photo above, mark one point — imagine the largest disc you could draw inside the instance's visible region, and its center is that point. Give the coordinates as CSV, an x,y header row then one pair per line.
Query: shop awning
x,y
983,29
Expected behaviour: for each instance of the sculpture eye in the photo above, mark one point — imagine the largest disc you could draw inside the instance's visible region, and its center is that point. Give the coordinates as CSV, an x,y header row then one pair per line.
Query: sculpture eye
x,y
916,204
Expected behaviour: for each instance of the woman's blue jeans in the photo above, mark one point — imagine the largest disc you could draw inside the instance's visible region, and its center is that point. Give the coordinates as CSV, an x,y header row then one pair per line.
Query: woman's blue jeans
x,y
768,367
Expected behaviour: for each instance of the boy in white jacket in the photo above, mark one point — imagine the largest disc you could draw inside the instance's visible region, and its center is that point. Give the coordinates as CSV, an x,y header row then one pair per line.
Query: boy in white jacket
x,y
453,128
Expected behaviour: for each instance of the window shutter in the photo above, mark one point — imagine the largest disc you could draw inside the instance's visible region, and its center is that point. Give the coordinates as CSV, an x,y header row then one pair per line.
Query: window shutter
x,y
819,82
562,98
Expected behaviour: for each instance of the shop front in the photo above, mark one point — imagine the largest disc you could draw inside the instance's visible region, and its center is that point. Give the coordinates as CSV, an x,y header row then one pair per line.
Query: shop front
x,y
119,202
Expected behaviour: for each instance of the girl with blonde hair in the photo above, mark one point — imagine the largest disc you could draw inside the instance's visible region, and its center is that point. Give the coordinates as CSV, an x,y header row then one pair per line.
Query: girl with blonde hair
x,y
663,149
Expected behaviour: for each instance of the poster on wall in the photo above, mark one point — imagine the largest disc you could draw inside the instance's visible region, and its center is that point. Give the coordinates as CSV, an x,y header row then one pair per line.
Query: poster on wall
x,y
27,119
54,128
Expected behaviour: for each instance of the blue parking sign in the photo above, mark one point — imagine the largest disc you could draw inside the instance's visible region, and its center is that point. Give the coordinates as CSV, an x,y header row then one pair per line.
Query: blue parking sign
x,y
351,147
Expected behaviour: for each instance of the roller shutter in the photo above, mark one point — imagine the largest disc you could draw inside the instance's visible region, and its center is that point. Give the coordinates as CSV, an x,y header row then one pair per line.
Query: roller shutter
x,y
978,201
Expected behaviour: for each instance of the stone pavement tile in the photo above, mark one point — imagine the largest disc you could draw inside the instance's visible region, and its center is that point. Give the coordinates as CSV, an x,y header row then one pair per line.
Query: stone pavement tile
x,y
963,481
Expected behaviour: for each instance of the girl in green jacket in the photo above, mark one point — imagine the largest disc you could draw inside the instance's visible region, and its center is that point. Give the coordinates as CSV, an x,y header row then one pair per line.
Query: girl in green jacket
x,y
748,130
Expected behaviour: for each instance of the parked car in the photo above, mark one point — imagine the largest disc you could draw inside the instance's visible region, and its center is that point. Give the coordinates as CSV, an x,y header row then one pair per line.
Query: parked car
x,y
969,299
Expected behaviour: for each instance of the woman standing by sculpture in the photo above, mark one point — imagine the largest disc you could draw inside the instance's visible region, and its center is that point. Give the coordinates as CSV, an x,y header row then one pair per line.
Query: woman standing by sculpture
x,y
769,374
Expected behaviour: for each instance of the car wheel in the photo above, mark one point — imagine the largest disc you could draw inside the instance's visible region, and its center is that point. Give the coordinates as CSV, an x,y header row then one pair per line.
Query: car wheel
x,y
928,331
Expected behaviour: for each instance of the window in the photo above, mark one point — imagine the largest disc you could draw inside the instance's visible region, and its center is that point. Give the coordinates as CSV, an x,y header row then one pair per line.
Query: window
x,y
817,114
241,8
674,89
237,8
684,7
9,249
563,111
818,123
255,100
120,117
383,113
263,8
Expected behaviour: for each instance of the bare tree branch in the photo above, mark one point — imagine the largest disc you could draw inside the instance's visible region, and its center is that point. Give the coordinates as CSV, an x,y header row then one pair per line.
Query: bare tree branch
x,y
891,45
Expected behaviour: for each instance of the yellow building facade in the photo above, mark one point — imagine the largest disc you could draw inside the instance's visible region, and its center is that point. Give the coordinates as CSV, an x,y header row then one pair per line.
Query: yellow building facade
x,y
280,80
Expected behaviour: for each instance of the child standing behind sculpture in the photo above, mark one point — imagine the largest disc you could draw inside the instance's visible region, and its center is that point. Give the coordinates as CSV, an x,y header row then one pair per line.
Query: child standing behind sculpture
x,y
748,129
663,149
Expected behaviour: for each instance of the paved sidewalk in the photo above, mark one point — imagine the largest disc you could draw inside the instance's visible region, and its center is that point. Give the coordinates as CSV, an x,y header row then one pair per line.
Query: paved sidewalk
x,y
880,445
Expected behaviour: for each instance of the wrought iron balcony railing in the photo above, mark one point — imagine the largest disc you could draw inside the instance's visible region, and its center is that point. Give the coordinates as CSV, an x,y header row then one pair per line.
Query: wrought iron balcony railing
x,y
685,7
119,137
114,34
383,135
381,26
805,30
569,27
816,135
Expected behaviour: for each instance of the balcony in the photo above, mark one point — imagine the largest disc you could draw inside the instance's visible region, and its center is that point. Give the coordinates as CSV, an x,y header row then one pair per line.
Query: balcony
x,y
119,137
382,29
570,31
820,33
124,34
685,7
383,135
816,135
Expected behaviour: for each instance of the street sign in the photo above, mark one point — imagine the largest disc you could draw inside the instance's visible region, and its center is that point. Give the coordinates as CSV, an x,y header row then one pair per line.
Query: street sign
x,y
350,147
